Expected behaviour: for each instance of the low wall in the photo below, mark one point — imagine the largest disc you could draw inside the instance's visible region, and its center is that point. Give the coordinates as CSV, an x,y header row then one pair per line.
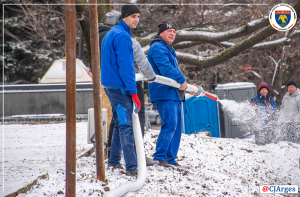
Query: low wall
x,y
43,102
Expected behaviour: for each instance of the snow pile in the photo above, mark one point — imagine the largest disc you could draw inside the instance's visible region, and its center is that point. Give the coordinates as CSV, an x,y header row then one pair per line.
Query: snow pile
x,y
210,166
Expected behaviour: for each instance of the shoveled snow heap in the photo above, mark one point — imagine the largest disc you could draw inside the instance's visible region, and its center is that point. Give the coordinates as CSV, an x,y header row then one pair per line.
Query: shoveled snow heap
x,y
210,166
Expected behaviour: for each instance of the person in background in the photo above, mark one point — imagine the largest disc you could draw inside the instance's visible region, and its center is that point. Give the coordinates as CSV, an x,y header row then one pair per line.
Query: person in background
x,y
167,99
112,19
118,79
290,104
265,114
290,113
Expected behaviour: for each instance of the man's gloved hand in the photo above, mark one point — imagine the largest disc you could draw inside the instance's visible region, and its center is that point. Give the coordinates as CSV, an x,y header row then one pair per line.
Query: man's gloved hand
x,y
136,102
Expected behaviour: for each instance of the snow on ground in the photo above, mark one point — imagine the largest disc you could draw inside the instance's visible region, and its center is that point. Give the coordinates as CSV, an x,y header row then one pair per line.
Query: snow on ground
x,y
32,150
210,166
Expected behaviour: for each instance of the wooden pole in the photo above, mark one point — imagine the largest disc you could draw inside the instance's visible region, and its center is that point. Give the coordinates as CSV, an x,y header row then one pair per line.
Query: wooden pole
x,y
95,56
70,98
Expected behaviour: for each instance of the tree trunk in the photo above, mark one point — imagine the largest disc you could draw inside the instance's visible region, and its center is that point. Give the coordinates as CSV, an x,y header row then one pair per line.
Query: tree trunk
x,y
103,9
83,10
80,50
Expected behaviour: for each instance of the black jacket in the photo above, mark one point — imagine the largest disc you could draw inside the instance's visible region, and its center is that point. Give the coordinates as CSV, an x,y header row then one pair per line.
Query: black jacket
x,y
102,30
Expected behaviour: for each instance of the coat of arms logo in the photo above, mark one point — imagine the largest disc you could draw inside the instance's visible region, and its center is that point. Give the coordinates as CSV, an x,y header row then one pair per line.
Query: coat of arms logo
x,y
282,17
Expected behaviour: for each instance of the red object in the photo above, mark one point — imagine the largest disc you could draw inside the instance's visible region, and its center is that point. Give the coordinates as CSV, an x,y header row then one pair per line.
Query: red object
x,y
242,68
211,96
282,12
90,70
250,68
265,188
136,99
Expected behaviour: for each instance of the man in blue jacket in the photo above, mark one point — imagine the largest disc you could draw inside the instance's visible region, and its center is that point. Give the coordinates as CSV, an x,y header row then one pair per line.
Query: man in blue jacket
x,y
167,99
118,79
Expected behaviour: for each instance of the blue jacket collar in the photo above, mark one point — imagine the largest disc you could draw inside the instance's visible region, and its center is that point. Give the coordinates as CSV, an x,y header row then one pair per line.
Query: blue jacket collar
x,y
262,98
122,24
159,38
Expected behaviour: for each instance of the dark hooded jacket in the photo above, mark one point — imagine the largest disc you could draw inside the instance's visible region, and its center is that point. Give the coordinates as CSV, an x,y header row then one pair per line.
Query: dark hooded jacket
x,y
164,62
102,30
266,108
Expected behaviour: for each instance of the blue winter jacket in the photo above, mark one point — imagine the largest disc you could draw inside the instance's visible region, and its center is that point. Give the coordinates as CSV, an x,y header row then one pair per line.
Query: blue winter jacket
x,y
263,114
117,63
164,62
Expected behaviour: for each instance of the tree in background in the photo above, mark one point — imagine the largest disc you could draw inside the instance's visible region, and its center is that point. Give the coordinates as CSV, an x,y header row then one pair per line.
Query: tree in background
x,y
82,11
214,43
220,43
34,37
34,34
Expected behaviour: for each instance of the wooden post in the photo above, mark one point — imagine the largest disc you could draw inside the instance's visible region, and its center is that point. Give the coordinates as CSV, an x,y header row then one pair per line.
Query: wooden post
x,y
70,98
95,56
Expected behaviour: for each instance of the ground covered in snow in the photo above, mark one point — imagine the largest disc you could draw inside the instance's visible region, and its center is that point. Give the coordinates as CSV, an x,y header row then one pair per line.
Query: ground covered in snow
x,y
210,166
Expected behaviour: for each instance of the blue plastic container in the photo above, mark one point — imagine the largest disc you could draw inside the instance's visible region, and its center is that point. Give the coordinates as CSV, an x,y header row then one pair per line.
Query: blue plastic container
x,y
201,114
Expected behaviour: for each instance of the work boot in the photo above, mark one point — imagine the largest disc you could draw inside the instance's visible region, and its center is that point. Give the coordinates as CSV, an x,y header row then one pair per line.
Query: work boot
x,y
118,166
164,164
176,164
134,173
150,162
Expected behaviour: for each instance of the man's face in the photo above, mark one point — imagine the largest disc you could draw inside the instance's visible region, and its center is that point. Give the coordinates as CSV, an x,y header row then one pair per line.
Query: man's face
x,y
168,36
292,89
132,20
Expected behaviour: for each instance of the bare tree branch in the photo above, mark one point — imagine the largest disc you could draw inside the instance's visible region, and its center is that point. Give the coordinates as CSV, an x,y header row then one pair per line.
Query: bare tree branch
x,y
227,54
232,51
212,37
297,69
269,44
264,45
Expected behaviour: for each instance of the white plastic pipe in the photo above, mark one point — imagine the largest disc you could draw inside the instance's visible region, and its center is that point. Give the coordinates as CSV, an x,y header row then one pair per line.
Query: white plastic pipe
x,y
170,82
141,160
165,81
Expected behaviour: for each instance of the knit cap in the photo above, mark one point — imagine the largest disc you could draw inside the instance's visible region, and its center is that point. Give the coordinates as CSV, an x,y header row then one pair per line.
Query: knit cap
x,y
291,83
129,9
165,25
112,18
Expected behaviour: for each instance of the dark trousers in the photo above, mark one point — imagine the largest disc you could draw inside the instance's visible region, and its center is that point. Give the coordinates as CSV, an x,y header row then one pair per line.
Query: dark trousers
x,y
141,114
122,140
168,140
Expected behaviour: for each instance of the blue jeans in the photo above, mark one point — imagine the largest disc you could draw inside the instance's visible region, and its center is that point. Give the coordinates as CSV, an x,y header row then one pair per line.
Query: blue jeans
x,y
122,139
168,140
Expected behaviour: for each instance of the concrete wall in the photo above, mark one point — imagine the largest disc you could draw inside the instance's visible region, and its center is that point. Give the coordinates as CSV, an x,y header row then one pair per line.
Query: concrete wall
x,y
43,102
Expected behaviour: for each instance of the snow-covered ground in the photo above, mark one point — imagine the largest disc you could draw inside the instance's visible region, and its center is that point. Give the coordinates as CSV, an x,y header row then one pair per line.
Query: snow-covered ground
x,y
211,166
